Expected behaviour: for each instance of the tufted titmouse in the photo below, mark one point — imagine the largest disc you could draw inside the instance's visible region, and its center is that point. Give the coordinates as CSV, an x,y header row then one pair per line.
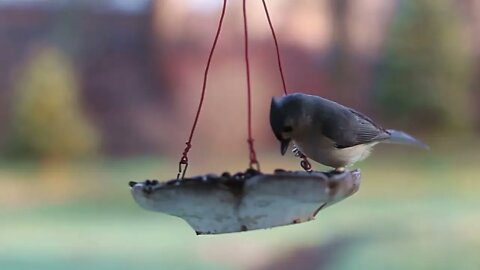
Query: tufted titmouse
x,y
327,132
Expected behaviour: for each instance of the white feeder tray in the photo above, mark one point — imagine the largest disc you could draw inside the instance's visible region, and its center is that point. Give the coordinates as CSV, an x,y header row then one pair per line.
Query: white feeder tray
x,y
214,204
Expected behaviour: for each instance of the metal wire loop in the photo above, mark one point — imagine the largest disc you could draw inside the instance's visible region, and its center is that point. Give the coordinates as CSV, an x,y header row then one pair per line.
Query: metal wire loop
x,y
182,168
305,164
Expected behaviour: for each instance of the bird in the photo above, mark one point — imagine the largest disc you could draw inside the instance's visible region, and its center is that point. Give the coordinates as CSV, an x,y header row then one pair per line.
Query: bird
x,y
327,132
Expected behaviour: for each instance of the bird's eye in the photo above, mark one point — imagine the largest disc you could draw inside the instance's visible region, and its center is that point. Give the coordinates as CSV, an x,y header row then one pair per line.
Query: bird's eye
x,y
287,129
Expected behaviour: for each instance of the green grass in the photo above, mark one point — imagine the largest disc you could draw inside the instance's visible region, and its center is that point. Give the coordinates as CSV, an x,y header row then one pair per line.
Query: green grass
x,y
417,212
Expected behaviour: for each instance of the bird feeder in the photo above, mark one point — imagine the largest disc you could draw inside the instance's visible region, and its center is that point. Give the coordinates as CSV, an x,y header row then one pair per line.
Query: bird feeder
x,y
250,200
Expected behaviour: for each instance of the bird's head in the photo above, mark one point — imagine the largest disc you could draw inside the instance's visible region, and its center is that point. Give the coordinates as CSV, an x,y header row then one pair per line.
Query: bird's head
x,y
281,122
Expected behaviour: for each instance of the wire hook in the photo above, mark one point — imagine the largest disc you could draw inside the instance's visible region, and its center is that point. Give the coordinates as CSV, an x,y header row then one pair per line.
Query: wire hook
x,y
305,164
183,164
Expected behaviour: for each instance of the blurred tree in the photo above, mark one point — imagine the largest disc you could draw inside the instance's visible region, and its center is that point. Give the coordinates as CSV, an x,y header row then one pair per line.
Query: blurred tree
x,y
341,55
425,76
48,122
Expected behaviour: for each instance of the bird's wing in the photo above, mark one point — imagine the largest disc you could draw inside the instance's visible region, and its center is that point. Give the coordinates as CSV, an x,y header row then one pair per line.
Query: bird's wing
x,y
352,128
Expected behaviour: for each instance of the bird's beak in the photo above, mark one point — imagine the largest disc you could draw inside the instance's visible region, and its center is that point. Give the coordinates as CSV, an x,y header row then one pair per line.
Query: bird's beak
x,y
284,146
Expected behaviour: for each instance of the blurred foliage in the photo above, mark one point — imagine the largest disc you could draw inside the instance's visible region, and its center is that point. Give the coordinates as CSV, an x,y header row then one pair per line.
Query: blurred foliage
x,y
48,122
425,76
413,211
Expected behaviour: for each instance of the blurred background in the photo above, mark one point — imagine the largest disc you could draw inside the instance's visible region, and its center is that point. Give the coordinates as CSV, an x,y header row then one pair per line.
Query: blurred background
x,y
94,94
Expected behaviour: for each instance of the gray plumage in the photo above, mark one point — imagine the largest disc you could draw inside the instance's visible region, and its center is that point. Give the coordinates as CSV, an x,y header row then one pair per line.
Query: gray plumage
x,y
328,132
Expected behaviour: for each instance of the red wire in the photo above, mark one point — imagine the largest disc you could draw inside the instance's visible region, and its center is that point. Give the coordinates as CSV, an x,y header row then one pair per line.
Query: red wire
x,y
184,158
304,163
276,46
253,155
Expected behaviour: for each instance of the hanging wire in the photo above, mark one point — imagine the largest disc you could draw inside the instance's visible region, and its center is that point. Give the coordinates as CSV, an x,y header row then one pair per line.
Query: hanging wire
x,y
183,164
304,163
253,156
279,60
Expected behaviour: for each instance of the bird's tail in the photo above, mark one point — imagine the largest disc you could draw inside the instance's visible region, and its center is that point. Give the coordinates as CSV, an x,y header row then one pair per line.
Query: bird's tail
x,y
400,137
